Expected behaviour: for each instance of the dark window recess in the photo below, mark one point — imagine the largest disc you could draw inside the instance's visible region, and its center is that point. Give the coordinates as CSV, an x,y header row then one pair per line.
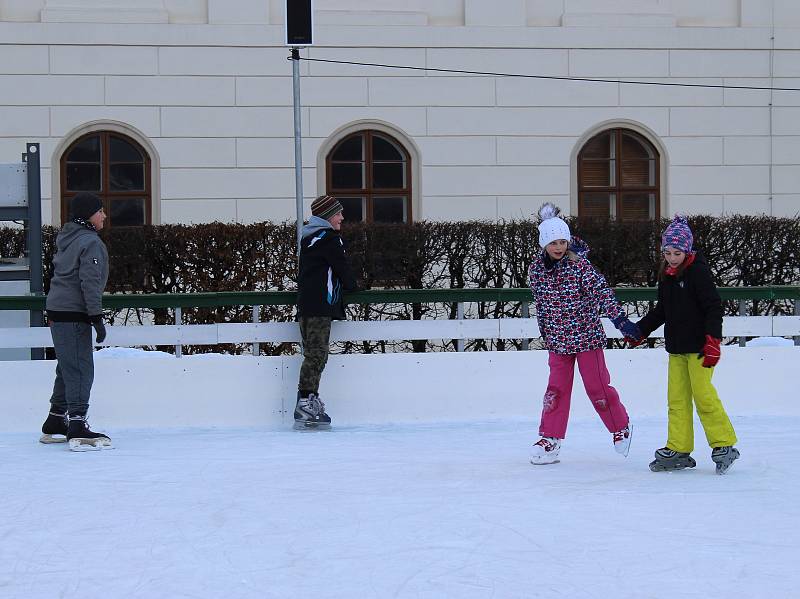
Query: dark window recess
x,y
618,177
114,167
362,168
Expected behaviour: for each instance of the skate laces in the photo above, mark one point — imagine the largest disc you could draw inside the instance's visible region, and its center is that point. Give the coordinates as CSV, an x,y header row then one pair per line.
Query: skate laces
x,y
316,405
548,443
620,435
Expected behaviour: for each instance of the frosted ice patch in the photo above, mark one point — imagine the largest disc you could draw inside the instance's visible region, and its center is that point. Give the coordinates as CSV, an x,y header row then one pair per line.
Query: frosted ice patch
x,y
770,342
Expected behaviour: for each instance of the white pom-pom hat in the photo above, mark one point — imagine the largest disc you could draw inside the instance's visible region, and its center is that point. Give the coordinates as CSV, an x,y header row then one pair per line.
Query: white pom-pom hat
x,y
552,227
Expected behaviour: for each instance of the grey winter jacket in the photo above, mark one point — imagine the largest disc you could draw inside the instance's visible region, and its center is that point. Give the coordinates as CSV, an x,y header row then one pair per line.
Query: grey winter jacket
x,y
80,271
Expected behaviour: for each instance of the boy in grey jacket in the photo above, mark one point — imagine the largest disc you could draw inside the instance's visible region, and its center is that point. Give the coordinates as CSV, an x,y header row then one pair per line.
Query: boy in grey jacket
x,y
74,307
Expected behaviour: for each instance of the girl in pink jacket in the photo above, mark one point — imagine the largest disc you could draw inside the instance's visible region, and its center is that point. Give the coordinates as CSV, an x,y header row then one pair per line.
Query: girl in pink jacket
x,y
570,296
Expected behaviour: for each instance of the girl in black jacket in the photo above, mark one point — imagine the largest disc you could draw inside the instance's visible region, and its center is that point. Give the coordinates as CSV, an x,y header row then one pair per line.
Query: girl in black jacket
x,y
690,309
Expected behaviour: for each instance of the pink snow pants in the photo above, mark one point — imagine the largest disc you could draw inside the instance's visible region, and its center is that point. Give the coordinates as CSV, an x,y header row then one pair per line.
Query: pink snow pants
x,y
596,381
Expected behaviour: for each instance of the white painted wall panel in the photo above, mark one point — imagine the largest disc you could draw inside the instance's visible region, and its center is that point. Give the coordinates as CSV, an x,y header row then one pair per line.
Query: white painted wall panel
x,y
229,122
170,91
66,118
787,63
432,91
524,207
272,210
225,61
275,151
531,61
500,180
688,180
537,121
197,211
103,60
786,120
447,208
457,151
745,204
535,150
50,90
619,63
667,95
786,205
787,98
324,121
719,121
719,63
747,150
228,183
786,179
24,60
695,204
412,57
314,91
546,92
685,151
786,150
176,152
24,121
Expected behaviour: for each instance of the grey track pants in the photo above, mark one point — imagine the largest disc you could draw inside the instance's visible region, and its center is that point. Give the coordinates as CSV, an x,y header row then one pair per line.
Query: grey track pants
x,y
75,371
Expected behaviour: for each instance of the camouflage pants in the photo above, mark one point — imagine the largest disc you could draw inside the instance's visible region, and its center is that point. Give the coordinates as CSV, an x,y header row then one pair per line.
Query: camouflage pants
x,y
316,333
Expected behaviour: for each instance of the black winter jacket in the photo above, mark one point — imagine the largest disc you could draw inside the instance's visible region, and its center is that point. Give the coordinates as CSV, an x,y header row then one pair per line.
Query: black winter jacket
x,y
689,307
324,271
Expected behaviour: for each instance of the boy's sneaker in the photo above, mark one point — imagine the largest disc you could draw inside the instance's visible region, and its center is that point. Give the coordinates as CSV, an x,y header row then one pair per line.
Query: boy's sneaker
x,y
82,438
622,441
724,457
545,451
309,413
54,429
668,459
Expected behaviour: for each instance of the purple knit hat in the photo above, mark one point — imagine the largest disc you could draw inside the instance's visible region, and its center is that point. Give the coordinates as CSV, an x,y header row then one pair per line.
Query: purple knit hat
x,y
678,235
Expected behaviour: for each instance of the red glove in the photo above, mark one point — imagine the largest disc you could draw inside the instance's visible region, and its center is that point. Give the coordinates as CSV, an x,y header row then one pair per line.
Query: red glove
x,y
711,352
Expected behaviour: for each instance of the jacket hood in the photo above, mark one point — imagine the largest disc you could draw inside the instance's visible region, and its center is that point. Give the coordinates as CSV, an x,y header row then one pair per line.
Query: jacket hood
x,y
70,233
315,225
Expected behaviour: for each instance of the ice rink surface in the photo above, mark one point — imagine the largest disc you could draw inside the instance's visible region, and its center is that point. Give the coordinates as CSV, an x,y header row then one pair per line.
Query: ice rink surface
x,y
427,511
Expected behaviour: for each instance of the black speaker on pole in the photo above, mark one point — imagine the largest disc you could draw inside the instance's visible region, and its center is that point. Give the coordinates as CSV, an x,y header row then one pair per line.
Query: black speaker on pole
x,y
299,22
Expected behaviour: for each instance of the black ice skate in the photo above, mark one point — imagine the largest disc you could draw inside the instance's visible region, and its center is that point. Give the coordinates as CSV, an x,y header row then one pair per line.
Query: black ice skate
x,y
668,459
309,413
724,457
82,438
54,429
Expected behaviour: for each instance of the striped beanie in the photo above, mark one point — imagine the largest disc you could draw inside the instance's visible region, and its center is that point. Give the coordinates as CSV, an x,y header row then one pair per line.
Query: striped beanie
x,y
678,235
325,207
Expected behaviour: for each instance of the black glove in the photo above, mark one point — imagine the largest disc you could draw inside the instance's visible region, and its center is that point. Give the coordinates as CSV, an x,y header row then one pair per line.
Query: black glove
x,y
99,327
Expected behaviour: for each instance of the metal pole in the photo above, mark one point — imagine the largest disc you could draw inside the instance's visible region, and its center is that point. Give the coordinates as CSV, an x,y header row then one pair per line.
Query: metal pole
x,y
797,313
178,320
526,313
256,318
298,150
742,312
460,316
34,240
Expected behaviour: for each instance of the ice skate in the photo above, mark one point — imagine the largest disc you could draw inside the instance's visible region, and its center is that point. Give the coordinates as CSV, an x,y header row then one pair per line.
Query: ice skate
x,y
668,459
622,440
545,451
54,429
82,438
309,414
724,457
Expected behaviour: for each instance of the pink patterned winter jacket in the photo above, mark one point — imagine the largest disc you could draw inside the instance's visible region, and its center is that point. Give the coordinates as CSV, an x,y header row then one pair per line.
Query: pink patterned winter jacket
x,y
570,297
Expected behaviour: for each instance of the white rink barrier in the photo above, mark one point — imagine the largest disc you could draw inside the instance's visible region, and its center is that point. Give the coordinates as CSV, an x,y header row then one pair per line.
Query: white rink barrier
x,y
386,330
137,389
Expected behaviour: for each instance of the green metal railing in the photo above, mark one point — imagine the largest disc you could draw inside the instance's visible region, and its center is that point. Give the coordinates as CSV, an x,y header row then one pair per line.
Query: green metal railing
x,y
375,296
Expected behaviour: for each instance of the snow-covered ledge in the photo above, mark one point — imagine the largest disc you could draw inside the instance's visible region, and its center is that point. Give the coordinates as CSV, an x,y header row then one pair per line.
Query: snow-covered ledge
x,y
136,389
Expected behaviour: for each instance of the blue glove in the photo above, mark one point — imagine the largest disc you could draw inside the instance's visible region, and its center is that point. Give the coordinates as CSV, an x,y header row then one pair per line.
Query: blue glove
x,y
630,330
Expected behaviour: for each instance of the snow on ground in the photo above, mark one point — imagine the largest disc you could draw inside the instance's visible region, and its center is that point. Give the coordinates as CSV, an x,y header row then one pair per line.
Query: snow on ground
x,y
414,511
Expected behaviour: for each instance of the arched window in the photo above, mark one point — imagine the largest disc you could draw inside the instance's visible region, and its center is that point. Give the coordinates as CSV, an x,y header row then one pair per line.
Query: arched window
x,y
114,167
618,177
370,174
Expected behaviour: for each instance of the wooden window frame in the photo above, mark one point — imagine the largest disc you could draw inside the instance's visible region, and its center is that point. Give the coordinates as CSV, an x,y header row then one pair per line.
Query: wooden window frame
x,y
369,192
105,193
619,189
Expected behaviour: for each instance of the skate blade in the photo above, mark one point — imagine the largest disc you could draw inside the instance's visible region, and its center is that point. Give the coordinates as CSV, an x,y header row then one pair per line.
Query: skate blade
x,y
661,468
50,439
89,444
545,463
310,426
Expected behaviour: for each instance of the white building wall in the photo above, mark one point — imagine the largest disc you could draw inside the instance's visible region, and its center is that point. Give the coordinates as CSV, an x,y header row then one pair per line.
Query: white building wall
x,y
210,88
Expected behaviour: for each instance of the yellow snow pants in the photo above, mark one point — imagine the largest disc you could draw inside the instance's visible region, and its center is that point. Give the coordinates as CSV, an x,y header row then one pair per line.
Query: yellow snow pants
x,y
687,378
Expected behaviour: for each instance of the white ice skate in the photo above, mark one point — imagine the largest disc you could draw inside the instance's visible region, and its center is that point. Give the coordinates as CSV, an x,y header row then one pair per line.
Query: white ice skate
x,y
622,440
545,451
